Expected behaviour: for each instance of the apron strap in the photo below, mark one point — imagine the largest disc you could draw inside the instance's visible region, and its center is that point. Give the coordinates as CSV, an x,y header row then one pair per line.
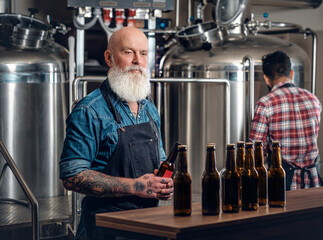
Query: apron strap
x,y
104,91
155,127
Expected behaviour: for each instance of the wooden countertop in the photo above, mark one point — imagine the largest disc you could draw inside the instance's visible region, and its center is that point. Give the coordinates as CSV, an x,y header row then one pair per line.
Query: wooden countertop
x,y
304,210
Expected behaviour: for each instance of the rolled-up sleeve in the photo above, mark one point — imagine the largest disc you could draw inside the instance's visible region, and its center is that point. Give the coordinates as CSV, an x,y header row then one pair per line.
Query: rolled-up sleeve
x,y
80,145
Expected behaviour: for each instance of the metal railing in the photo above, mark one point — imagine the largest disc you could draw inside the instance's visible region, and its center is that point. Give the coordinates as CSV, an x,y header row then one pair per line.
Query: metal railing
x,y
79,90
25,188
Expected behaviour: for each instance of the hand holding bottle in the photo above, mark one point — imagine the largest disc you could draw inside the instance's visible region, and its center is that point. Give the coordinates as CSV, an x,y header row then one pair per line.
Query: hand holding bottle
x,y
167,167
152,186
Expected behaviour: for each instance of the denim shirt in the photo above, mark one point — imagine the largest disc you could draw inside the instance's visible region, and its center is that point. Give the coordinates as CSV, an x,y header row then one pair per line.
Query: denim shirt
x,y
91,132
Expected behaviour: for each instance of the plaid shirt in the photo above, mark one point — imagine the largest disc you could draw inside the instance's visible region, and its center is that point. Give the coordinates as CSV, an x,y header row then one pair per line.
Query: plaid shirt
x,y
290,115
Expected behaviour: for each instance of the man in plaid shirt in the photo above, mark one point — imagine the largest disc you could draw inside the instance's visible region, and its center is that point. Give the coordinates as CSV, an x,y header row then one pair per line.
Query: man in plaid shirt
x,y
290,115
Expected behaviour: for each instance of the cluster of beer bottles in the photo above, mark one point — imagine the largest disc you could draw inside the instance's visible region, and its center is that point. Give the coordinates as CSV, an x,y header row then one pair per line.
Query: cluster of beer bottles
x,y
245,183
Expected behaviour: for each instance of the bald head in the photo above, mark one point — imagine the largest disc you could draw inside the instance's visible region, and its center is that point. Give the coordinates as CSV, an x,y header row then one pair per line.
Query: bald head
x,y
128,46
126,34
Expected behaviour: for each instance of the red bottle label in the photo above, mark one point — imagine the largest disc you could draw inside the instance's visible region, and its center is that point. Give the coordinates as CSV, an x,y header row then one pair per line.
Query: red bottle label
x,y
168,174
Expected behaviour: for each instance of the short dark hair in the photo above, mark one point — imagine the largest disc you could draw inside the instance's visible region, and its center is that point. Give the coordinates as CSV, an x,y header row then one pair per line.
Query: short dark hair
x,y
276,64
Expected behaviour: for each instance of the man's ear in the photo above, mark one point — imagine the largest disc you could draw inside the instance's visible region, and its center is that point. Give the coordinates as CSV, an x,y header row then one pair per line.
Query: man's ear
x,y
291,74
107,57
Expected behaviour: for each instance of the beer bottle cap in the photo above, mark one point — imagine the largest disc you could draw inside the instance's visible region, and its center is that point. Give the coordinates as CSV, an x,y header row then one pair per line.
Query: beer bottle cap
x,y
230,146
258,142
240,144
182,148
249,144
275,143
210,146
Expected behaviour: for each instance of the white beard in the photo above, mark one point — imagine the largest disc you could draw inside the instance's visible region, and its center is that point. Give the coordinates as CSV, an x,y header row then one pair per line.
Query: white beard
x,y
129,86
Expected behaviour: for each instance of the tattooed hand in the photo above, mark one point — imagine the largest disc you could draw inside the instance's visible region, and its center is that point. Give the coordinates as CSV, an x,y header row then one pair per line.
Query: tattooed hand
x,y
97,184
151,186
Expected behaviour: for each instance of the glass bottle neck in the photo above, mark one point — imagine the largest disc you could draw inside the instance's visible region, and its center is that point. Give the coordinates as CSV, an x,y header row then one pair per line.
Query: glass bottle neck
x,y
249,158
210,164
240,157
173,154
276,158
182,162
259,157
230,162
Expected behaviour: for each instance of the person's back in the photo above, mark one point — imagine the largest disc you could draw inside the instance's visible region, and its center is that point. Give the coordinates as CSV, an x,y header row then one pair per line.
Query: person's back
x,y
290,115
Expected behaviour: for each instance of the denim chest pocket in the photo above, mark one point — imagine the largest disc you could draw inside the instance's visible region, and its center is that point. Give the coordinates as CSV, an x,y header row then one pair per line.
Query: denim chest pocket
x,y
144,156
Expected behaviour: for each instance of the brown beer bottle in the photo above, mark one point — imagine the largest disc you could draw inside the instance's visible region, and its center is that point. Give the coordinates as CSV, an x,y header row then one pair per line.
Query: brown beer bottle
x,y
210,184
182,185
167,167
230,183
276,179
262,173
240,156
249,182
240,159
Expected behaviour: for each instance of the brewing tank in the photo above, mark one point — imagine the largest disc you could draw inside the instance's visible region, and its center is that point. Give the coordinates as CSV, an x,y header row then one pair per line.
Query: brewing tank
x,y
33,106
209,86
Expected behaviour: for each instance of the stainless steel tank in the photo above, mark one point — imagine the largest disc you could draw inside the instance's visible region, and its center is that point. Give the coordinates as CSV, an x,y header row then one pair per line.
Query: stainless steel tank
x,y
194,98
33,107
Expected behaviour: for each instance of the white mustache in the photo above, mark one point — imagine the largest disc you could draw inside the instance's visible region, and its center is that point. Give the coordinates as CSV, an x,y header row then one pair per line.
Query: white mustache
x,y
141,69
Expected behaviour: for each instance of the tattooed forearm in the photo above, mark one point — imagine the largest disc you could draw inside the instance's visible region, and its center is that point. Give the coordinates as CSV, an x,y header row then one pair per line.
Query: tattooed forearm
x,y
96,184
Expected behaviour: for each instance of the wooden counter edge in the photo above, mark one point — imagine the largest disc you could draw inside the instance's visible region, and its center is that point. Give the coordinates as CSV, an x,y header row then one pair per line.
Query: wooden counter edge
x,y
173,232
136,229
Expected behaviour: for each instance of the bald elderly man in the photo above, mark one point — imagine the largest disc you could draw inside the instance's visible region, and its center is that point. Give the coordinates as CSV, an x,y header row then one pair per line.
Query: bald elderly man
x,y
113,148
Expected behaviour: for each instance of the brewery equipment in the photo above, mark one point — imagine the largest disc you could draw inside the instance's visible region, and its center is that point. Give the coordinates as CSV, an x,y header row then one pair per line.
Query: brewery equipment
x,y
33,106
193,110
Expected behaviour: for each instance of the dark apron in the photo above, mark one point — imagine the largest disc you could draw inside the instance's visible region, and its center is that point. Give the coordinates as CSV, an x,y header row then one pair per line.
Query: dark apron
x,y
290,168
136,153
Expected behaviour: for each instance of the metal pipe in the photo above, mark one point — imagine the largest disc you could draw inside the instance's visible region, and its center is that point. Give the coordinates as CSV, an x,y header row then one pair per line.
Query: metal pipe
x,y
80,36
204,80
152,43
251,80
189,12
71,68
5,6
288,3
314,57
177,13
82,79
25,188
75,97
